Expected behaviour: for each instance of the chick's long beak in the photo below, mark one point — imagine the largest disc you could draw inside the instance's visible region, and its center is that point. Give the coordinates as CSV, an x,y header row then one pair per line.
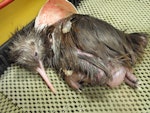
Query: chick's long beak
x,y
42,72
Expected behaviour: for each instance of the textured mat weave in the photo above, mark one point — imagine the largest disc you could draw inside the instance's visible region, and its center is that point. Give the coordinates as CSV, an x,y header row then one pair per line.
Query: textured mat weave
x,y
6,105
26,92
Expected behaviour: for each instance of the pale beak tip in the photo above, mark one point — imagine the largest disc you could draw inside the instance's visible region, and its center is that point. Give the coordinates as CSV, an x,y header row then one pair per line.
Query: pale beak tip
x,y
42,72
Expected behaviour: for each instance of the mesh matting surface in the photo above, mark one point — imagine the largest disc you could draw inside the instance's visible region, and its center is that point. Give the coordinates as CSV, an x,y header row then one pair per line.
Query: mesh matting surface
x,y
23,91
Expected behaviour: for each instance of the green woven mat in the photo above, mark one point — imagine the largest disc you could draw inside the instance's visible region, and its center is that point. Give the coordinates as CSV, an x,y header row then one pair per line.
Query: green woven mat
x,y
6,105
27,92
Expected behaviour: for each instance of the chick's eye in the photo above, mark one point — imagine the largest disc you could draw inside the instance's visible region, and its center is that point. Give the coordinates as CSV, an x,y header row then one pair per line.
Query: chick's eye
x,y
50,38
35,54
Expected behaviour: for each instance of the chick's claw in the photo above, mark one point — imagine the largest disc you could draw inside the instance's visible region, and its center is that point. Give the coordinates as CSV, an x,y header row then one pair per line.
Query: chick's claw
x,y
73,81
131,80
131,77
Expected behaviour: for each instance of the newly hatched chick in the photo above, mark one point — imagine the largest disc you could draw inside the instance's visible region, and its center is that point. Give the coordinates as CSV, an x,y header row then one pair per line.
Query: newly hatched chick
x,y
84,49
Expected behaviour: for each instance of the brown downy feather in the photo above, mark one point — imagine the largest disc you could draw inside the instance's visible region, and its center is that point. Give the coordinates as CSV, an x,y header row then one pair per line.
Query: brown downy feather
x,y
90,45
138,42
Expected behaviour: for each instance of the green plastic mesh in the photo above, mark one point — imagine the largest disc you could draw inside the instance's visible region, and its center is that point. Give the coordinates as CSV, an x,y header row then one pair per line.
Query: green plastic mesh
x,y
23,91
6,105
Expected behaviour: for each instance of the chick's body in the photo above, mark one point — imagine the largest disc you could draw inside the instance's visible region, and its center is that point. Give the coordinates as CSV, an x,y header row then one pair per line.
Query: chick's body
x,y
92,51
